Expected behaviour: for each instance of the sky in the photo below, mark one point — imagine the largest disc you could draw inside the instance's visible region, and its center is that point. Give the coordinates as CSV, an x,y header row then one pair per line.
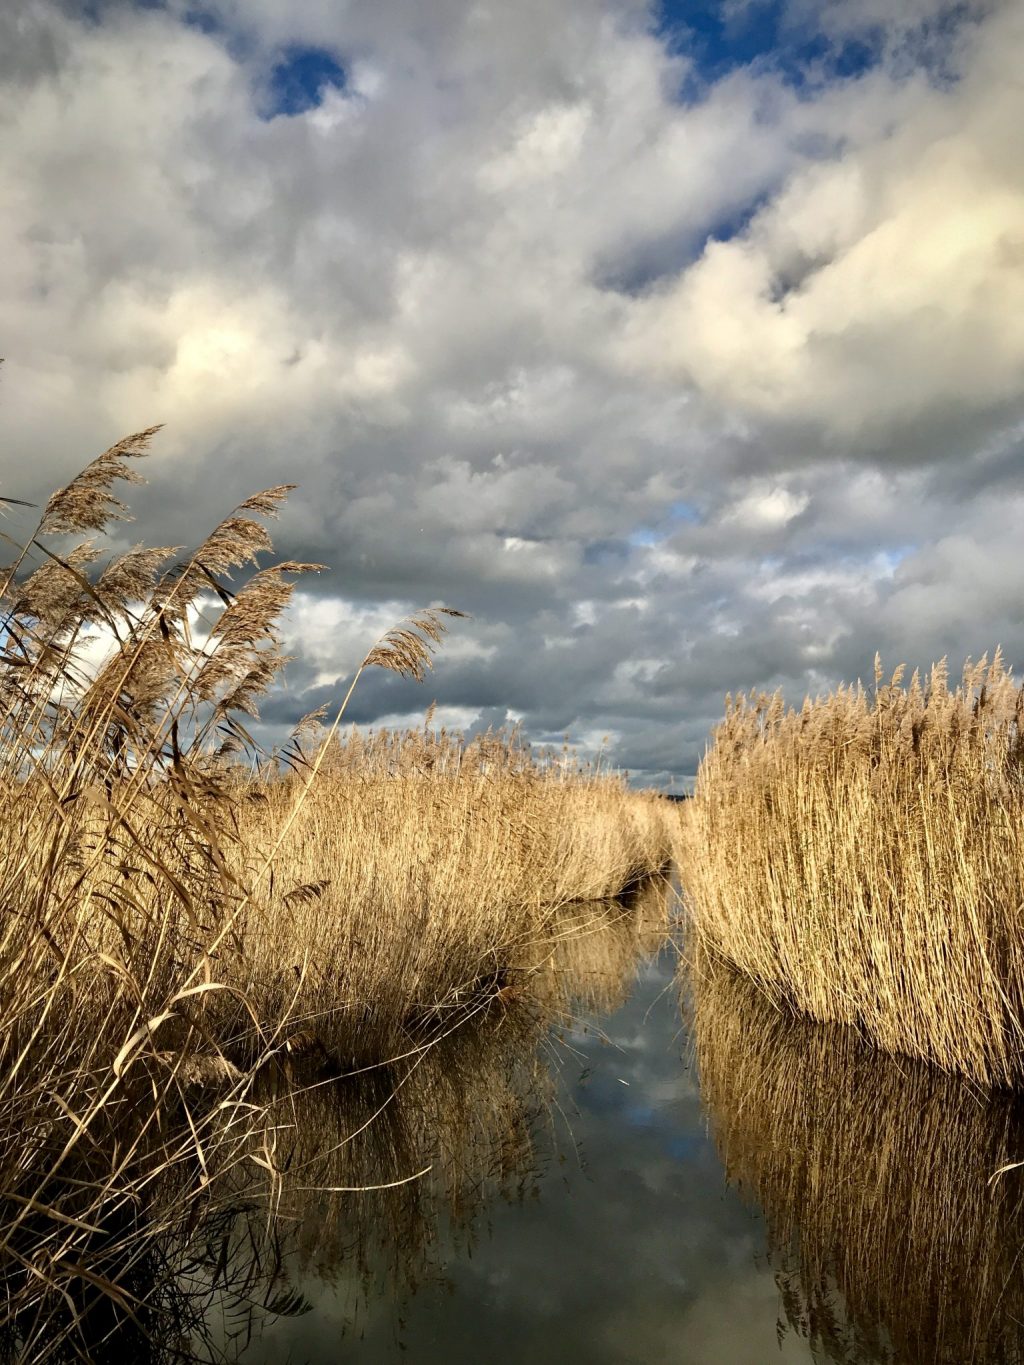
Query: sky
x,y
680,344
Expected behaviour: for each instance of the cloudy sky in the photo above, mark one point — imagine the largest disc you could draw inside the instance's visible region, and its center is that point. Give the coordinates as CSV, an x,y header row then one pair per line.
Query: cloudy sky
x,y
682,344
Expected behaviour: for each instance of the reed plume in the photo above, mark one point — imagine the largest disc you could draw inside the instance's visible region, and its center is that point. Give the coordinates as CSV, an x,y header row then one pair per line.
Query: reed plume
x,y
862,859
170,919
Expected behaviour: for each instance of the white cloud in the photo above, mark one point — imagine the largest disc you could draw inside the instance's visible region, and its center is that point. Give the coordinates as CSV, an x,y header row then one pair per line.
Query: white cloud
x,y
879,289
733,385
765,507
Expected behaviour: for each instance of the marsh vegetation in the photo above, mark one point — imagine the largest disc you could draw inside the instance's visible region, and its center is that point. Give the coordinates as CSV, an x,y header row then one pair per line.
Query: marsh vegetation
x,y
381,1173
181,911
893,1238
276,1025
861,858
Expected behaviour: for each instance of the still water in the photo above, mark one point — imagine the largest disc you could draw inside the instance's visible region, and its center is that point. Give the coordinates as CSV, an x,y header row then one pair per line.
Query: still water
x,y
628,1171
623,1243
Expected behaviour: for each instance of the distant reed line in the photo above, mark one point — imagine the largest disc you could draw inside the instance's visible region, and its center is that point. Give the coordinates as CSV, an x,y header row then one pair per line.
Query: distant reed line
x,y
862,859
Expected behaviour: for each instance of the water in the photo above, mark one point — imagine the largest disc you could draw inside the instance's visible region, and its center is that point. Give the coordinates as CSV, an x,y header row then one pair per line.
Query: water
x,y
622,1242
597,1170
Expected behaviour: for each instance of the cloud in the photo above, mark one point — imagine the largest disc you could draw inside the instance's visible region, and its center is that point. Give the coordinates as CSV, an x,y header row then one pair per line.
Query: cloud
x,y
878,296
506,292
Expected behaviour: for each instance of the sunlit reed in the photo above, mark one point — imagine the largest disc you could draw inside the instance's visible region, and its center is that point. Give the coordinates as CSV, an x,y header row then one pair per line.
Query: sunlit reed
x,y
381,1174
862,858
172,920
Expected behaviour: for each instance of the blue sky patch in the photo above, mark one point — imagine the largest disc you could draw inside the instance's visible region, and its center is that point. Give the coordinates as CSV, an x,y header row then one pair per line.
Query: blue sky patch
x,y
721,42
606,552
894,555
646,536
203,20
736,221
638,267
300,77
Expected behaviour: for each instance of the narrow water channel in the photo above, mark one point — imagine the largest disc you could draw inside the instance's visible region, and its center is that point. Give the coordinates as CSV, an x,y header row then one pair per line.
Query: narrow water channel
x,y
611,1236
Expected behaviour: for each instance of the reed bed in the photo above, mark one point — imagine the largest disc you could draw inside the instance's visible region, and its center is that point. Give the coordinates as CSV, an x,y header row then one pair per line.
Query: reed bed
x,y
380,1172
169,923
477,1109
894,1238
420,868
862,859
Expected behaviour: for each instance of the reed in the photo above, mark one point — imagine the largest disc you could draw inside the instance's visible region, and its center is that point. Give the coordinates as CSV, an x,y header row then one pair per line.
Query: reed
x,y
420,868
168,921
862,859
380,1172
121,880
477,1109
893,1238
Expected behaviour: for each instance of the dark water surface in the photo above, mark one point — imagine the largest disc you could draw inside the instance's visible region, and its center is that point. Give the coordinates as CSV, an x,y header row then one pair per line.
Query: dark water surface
x,y
612,1236
580,1197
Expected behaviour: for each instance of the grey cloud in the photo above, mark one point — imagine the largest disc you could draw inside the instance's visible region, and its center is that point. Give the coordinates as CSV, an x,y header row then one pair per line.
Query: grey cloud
x,y
469,306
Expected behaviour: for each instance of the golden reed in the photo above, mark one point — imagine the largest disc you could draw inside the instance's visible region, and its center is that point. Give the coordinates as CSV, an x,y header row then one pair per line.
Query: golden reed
x,y
167,918
376,1173
862,859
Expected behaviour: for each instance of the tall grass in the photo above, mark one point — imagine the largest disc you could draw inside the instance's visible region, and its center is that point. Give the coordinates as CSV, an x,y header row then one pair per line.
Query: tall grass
x,y
477,1109
166,918
379,1172
892,1236
420,868
862,858
115,890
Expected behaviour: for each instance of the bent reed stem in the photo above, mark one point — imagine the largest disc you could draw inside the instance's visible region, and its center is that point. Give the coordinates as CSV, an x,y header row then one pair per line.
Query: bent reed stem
x,y
171,918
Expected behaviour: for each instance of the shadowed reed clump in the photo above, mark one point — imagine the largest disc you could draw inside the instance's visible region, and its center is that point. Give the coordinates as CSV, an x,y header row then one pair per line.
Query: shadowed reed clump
x,y
893,1238
476,1109
862,858
380,1172
419,870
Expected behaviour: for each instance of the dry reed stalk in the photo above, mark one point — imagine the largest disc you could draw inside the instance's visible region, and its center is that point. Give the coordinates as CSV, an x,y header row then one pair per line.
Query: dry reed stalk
x,y
863,859
122,880
893,1239
472,1112
380,1171
150,893
418,870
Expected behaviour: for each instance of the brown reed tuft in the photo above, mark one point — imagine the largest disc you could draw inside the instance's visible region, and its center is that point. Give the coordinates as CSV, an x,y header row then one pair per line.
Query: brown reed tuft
x,y
469,1116
120,881
420,866
370,1167
862,858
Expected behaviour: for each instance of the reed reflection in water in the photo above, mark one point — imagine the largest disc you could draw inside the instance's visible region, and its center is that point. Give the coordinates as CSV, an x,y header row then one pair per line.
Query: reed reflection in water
x,y
890,1238
377,1176
471,1112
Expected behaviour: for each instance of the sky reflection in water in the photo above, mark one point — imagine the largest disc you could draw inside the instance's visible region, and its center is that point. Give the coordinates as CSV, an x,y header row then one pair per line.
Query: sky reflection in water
x,y
571,1204
626,1245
